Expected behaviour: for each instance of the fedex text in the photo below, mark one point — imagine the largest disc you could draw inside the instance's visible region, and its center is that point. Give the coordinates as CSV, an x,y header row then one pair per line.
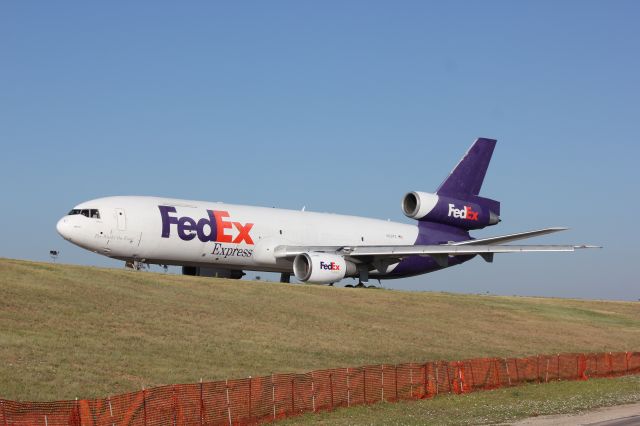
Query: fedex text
x,y
331,266
464,213
216,227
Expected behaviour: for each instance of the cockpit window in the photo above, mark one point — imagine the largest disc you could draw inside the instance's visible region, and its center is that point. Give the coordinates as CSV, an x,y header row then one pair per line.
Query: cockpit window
x,y
91,213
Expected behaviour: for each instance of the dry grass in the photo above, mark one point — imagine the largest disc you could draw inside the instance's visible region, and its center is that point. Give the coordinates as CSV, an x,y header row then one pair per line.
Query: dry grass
x,y
68,331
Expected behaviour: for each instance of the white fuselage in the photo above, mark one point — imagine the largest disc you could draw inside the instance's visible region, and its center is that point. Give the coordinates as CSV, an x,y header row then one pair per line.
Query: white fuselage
x,y
198,233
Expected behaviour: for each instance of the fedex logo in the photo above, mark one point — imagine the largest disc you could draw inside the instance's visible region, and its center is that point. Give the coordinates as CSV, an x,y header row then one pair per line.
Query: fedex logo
x,y
466,213
333,266
214,227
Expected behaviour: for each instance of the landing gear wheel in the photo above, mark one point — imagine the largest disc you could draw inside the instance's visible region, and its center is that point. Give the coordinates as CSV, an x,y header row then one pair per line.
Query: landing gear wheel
x,y
360,285
348,286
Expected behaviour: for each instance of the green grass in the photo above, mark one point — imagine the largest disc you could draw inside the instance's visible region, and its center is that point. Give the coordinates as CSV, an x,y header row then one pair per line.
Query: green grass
x,y
489,407
72,331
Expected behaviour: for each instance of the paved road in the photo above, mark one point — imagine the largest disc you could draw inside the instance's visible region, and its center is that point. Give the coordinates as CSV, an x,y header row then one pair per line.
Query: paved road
x,y
621,415
624,421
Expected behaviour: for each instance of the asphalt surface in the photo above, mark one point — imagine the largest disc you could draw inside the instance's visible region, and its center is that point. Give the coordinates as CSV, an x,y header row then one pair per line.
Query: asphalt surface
x,y
624,421
621,415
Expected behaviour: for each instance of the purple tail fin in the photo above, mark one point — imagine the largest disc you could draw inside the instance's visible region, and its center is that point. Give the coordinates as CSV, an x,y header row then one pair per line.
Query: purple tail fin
x,y
466,178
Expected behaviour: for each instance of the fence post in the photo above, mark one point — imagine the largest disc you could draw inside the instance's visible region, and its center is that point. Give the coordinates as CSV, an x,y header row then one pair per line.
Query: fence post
x,y
313,393
201,404
506,366
273,396
449,381
174,405
496,375
110,411
293,396
226,389
331,388
515,362
538,368
75,415
4,414
462,376
382,384
250,417
473,378
546,378
364,384
396,380
437,379
626,359
426,381
583,367
610,362
348,388
144,404
558,367
411,379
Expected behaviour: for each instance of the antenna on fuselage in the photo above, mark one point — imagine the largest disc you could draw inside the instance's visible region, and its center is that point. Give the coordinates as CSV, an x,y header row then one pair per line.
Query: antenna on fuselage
x,y
54,255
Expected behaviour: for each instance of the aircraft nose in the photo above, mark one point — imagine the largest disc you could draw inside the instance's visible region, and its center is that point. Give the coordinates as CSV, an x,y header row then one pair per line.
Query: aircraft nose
x,y
63,227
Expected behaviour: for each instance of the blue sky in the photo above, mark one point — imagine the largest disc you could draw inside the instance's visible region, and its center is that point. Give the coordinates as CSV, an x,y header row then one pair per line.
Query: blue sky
x,y
338,106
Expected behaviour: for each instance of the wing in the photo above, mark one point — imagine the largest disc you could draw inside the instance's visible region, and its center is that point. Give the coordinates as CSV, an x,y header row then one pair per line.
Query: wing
x,y
440,253
511,237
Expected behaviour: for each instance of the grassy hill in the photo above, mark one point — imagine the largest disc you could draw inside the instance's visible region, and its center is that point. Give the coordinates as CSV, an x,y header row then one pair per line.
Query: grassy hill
x,y
72,331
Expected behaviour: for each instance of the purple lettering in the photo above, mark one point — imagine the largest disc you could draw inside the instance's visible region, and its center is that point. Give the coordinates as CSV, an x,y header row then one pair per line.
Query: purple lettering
x,y
185,226
211,223
167,220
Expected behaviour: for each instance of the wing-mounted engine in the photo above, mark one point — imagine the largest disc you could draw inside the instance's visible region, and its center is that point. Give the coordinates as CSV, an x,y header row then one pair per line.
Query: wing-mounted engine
x,y
472,212
322,268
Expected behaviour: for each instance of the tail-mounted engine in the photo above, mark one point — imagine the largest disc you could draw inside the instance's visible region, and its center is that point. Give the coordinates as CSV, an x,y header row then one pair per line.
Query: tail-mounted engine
x,y
472,213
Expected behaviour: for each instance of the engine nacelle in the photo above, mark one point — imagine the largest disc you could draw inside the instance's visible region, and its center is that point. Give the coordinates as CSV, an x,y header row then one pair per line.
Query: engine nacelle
x,y
212,272
322,268
473,213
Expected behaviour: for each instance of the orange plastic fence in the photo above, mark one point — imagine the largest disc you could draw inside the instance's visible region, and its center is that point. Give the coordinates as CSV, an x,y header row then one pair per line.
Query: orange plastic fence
x,y
265,399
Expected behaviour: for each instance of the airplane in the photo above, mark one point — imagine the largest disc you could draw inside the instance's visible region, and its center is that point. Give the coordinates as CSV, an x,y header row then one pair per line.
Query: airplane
x,y
223,240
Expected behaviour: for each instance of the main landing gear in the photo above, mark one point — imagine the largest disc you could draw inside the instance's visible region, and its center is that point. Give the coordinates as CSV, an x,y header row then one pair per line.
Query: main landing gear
x,y
363,280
